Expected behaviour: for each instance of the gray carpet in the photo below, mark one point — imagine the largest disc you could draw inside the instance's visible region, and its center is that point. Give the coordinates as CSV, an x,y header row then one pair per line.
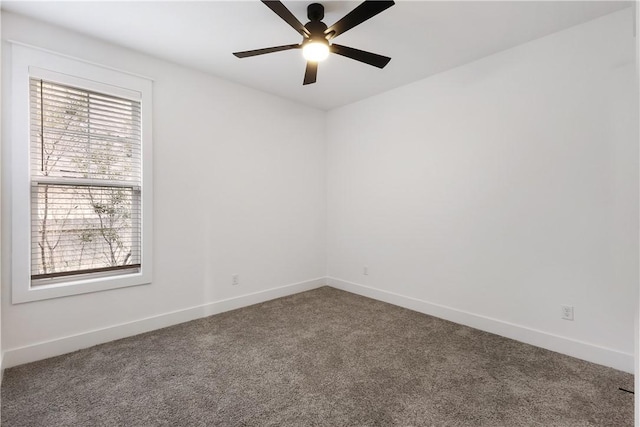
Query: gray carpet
x,y
319,358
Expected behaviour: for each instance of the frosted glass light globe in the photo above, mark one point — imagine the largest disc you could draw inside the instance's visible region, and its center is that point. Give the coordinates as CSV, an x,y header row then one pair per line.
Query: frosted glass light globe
x,y
315,51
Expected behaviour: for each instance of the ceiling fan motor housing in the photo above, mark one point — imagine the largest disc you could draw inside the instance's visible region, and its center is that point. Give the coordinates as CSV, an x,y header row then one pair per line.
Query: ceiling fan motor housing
x,y
316,28
315,13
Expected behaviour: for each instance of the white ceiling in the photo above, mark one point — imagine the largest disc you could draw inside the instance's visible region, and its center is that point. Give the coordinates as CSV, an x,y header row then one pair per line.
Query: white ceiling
x,y
421,37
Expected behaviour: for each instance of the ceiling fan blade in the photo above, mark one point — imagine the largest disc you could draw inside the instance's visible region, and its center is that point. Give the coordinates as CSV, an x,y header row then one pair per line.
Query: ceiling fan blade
x,y
357,16
255,52
310,73
361,55
284,13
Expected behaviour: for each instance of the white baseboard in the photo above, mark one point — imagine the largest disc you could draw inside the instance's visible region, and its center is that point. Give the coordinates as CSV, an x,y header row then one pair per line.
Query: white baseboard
x,y
43,350
579,349
582,350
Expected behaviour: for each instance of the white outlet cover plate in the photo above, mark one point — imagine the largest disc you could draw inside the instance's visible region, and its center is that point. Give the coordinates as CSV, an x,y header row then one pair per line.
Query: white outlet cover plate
x,y
567,312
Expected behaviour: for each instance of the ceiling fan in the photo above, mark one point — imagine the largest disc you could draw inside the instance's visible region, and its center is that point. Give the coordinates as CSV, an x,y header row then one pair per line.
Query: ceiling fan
x,y
316,36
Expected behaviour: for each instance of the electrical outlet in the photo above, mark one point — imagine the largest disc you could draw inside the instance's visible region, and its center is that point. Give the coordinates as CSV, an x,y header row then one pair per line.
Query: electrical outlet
x,y
365,270
235,279
567,312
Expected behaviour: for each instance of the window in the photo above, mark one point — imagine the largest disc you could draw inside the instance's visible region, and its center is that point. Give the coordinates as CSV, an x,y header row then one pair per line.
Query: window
x,y
85,183
86,216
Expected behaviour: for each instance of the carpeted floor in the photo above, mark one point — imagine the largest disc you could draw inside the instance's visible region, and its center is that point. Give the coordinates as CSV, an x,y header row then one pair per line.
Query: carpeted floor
x,y
319,358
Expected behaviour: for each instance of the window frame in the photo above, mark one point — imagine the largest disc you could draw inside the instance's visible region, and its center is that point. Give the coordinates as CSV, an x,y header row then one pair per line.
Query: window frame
x,y
29,62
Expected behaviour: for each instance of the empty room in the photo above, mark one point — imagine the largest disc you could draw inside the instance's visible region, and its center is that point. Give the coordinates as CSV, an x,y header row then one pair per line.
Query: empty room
x,y
347,213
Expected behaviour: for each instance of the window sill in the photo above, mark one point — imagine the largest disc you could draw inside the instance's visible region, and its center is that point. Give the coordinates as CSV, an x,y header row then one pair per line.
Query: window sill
x,y
77,287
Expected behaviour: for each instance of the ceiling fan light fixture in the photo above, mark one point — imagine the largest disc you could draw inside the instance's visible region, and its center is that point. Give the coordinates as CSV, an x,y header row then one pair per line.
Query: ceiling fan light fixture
x,y
316,50
316,35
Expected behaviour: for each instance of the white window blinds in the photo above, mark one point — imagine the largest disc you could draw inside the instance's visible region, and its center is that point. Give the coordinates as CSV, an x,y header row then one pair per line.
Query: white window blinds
x,y
85,183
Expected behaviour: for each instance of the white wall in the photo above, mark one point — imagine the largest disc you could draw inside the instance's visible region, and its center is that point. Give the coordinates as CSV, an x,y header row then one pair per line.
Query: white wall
x,y
495,192
637,319
239,186
1,351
